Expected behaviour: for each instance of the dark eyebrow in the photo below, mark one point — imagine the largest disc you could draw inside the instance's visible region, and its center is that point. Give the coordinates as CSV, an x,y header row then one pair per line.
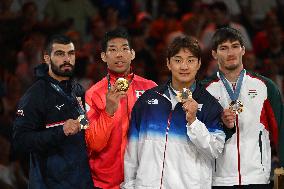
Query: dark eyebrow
x,y
57,51
236,43
61,51
111,45
192,56
176,56
71,51
187,57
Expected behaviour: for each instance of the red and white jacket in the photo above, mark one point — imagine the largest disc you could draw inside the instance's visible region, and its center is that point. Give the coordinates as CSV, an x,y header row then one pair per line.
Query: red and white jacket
x,y
106,136
246,158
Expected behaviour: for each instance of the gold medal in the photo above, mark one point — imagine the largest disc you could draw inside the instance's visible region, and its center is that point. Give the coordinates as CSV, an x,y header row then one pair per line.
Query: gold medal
x,y
84,123
122,84
183,95
236,106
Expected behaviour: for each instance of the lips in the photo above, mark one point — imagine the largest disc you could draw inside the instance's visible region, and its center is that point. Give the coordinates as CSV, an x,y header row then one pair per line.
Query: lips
x,y
232,59
66,66
185,74
119,64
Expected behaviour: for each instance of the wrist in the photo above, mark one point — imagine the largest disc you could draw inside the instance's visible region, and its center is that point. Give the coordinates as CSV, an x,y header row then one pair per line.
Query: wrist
x,y
110,113
190,121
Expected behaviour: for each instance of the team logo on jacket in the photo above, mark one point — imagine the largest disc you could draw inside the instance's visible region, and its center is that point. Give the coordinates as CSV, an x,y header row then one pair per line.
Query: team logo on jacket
x,y
139,93
20,113
152,101
59,106
200,107
252,93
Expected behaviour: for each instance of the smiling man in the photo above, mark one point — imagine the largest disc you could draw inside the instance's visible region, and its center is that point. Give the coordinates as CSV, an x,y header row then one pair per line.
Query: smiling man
x,y
47,125
106,140
252,114
174,136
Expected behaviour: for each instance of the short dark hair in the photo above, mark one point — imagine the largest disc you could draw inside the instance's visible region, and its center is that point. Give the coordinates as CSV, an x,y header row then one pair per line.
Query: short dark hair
x,y
184,42
224,34
57,38
221,6
116,33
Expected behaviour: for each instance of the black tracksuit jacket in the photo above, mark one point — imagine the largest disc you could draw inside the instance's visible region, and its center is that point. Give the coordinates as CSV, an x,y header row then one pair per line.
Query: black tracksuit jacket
x,y
56,161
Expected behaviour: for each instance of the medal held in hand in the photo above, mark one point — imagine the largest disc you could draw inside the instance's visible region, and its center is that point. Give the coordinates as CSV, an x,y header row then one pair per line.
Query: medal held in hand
x,y
84,123
122,84
183,95
236,106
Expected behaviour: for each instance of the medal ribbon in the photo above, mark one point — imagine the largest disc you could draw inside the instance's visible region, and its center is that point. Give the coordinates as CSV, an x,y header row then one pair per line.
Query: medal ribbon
x,y
234,95
191,88
69,98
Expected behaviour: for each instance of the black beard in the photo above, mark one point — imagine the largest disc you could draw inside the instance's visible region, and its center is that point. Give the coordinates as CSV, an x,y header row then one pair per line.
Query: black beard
x,y
57,71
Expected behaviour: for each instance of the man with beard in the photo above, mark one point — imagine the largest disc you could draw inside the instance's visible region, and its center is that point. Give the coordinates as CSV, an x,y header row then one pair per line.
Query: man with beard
x,y
252,115
48,122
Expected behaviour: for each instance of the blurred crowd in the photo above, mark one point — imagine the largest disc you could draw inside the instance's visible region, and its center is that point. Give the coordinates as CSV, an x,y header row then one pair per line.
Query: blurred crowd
x,y
153,24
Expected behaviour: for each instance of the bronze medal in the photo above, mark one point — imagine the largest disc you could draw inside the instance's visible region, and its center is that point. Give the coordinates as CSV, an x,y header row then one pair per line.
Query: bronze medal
x,y
236,106
183,95
122,84
84,123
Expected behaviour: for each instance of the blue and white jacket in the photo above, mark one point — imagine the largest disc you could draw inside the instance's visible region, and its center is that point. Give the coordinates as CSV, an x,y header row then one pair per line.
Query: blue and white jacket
x,y
163,150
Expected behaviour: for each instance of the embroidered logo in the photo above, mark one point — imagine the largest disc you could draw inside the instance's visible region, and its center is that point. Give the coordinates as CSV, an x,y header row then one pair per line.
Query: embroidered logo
x,y
152,101
59,106
252,93
200,107
20,113
139,93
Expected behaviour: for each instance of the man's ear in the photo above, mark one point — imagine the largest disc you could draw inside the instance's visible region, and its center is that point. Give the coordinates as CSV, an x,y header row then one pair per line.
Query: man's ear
x,y
199,64
168,64
243,50
46,58
103,56
132,54
214,54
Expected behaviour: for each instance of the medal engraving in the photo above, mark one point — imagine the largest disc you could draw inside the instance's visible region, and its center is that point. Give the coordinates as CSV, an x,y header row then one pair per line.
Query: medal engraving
x,y
84,123
183,95
236,106
122,84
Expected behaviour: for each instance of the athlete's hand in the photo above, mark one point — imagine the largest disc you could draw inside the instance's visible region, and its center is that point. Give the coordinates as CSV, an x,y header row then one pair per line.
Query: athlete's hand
x,y
112,99
190,107
228,117
71,127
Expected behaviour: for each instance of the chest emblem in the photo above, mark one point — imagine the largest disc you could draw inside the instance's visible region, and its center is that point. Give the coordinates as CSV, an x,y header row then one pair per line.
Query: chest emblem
x,y
252,93
152,101
59,106
139,93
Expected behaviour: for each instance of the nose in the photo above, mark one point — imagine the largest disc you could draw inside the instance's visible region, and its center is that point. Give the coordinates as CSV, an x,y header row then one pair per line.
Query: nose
x,y
67,58
119,53
230,51
184,65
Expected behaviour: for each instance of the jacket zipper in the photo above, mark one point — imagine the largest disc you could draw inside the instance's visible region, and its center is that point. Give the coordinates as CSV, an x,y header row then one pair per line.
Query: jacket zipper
x,y
167,132
238,148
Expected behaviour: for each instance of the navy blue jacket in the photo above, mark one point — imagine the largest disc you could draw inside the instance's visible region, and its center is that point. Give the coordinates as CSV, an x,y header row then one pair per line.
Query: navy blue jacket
x,y
56,161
